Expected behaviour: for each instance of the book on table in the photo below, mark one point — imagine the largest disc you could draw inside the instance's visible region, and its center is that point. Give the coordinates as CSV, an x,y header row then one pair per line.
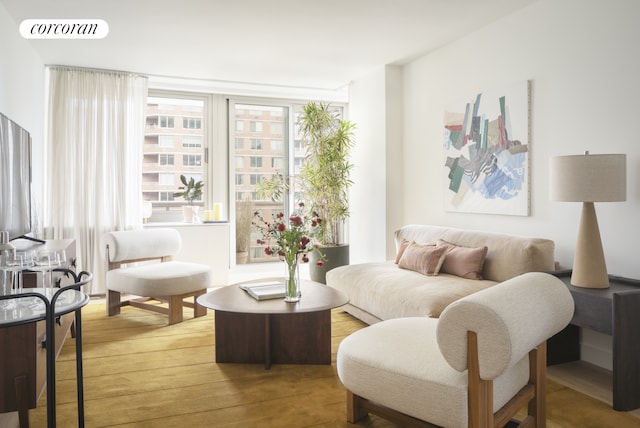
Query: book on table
x,y
264,290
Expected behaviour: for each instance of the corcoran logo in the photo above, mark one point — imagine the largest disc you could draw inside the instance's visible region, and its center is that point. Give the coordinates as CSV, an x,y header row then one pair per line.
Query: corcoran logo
x,y
64,29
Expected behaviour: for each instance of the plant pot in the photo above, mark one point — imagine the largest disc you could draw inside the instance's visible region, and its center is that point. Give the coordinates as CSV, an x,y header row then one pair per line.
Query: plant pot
x,y
242,257
189,211
333,257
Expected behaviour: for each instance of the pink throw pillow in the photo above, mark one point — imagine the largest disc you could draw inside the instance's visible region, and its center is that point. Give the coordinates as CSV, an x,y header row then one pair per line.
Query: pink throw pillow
x,y
426,259
466,262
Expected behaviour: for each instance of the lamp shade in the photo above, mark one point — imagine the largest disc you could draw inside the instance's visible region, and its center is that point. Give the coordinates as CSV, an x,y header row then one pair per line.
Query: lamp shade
x,y
588,178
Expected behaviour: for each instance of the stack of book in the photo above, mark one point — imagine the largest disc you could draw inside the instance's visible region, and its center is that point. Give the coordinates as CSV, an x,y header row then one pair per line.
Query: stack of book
x,y
264,290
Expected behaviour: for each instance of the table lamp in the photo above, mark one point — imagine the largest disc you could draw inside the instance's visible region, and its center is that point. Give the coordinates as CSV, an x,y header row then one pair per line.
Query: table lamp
x,y
589,178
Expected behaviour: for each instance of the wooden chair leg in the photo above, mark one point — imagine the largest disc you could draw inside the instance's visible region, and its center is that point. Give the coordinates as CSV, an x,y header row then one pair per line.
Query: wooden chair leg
x,y
175,309
354,411
113,303
538,378
198,310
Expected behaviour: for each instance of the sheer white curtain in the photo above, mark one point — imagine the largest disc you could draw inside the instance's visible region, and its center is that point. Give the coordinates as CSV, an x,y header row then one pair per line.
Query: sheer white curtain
x,y
95,135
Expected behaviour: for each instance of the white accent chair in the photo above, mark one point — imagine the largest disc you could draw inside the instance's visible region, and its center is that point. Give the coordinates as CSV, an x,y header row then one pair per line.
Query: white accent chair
x,y
477,365
168,281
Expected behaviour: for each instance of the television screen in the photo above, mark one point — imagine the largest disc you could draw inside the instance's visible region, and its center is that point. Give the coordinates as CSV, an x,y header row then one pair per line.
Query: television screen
x,y
15,178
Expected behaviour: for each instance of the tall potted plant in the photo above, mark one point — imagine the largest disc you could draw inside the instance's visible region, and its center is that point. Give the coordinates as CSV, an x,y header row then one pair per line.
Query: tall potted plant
x,y
191,191
325,179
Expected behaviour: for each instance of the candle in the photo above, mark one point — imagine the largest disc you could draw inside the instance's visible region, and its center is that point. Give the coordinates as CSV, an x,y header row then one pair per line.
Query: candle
x,y
217,212
208,215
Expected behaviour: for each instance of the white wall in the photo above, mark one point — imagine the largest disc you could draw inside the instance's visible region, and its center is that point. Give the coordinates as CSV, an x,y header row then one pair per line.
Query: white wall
x,y
22,92
367,196
581,57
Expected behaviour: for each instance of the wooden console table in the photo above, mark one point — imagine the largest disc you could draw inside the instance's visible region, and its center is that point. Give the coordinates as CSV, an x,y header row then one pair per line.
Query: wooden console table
x,y
27,339
614,311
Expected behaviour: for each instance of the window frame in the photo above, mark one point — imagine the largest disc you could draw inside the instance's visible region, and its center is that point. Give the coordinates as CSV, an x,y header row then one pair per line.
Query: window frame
x,y
214,158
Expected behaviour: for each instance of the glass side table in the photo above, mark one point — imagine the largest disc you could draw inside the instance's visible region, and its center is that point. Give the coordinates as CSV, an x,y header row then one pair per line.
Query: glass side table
x,y
47,304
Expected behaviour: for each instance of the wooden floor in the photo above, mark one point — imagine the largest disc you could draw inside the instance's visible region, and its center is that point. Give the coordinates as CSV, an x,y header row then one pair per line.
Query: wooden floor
x,y
581,376
586,378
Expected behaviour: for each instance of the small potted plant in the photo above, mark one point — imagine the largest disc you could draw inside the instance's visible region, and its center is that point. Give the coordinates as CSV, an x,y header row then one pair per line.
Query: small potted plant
x,y
191,191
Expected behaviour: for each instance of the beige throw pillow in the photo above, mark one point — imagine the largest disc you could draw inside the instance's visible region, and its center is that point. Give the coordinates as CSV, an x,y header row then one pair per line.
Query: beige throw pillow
x,y
466,262
423,258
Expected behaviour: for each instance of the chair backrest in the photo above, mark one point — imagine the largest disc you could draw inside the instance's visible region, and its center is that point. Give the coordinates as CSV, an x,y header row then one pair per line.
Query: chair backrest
x,y
510,319
130,245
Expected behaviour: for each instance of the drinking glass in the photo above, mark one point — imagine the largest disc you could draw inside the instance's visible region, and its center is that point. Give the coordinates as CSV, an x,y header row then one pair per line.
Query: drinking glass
x,y
16,263
46,261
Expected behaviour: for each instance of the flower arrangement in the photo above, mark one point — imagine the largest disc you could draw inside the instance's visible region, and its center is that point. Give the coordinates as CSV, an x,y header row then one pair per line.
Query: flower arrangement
x,y
290,239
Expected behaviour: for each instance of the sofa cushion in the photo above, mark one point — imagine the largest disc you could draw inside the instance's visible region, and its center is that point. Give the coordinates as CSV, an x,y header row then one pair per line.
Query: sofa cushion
x,y
423,258
385,291
466,262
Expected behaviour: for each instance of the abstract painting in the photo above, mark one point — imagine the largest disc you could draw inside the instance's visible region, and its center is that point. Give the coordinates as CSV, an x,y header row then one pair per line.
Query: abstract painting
x,y
486,145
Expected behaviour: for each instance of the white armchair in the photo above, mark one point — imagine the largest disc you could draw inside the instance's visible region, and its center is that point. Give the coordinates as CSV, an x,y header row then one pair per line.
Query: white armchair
x,y
476,366
169,281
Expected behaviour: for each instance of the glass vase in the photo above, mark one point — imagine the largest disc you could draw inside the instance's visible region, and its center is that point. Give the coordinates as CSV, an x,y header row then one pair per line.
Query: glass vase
x,y
292,282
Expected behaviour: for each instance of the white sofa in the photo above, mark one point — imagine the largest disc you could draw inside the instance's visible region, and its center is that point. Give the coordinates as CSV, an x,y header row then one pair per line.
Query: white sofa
x,y
382,290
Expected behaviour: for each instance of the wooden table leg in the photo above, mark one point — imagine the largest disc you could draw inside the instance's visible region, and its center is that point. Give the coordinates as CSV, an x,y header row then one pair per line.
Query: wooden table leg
x,y
267,342
22,402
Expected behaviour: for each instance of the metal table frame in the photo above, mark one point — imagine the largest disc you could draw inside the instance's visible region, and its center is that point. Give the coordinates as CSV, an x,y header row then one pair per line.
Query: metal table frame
x,y
49,317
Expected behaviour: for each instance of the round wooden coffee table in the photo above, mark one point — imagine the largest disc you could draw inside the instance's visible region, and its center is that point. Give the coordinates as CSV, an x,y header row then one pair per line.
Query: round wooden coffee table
x,y
273,331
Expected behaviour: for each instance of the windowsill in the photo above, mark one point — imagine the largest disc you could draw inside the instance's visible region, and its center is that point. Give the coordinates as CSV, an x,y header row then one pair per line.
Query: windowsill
x,y
184,224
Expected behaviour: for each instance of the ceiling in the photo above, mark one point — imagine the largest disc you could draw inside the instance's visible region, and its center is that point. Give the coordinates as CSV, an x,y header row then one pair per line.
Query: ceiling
x,y
306,43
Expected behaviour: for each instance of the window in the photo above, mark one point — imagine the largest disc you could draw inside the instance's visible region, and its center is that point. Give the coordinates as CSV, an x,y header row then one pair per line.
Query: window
x,y
230,144
255,126
166,121
192,160
166,141
166,159
255,179
239,163
256,144
186,141
277,163
192,141
166,179
166,196
255,162
192,123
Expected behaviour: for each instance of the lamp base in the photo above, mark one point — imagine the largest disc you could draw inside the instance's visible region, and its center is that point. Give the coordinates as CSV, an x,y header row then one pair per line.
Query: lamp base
x,y
589,267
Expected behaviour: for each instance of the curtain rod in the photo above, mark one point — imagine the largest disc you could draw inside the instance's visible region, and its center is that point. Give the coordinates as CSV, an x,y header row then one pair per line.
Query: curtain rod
x,y
101,70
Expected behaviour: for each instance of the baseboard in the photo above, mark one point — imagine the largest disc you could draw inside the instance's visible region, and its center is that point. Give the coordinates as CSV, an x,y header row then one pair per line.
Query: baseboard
x,y
597,349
